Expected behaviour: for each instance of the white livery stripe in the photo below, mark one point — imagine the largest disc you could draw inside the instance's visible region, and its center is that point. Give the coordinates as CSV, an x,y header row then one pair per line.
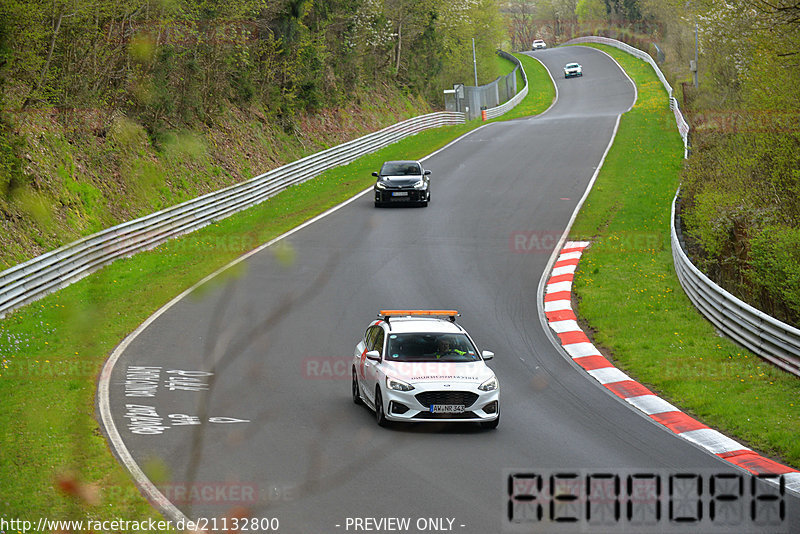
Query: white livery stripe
x,y
565,326
576,244
650,404
557,305
558,286
792,481
570,256
608,375
566,269
712,441
579,350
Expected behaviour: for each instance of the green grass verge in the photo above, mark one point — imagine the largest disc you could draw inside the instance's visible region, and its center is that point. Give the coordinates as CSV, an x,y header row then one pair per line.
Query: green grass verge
x,y
540,93
634,305
55,462
504,66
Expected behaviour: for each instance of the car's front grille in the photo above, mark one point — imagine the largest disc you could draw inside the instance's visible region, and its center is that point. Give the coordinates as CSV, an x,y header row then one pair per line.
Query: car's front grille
x,y
426,398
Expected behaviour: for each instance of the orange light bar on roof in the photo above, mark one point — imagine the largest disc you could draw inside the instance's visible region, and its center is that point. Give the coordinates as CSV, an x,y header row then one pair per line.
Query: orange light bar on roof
x,y
402,313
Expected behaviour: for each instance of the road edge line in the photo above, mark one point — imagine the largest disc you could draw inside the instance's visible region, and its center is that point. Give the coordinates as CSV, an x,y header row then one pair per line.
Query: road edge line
x,y
103,401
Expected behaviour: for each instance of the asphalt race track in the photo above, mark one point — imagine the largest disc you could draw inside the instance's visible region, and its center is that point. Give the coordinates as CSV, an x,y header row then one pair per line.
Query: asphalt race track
x,y
273,433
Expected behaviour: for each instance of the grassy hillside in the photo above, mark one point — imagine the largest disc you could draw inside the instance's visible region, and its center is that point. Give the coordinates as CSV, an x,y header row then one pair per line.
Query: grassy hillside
x,y
95,169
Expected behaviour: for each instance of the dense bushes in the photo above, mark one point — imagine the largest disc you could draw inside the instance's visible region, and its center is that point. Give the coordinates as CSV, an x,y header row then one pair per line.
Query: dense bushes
x,y
78,79
167,63
743,200
741,184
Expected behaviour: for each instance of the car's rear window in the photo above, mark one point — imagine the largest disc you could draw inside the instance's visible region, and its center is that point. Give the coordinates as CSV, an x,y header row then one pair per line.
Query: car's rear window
x,y
400,169
428,347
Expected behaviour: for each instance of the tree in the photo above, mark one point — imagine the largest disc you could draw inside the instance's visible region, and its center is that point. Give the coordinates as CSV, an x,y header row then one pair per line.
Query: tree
x,y
591,12
524,28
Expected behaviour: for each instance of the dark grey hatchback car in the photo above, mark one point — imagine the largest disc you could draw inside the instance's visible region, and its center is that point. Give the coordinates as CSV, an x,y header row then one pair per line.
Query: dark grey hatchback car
x,y
402,182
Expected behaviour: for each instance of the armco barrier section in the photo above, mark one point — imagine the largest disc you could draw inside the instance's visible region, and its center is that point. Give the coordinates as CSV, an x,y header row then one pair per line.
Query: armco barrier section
x,y
771,339
49,272
497,111
683,126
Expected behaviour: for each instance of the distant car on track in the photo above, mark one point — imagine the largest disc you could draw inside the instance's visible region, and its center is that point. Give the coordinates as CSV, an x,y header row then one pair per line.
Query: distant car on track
x,y
402,181
421,366
538,44
572,69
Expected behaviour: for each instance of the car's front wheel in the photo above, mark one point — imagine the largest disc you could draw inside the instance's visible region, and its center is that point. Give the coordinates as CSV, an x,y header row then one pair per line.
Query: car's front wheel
x,y
356,393
380,415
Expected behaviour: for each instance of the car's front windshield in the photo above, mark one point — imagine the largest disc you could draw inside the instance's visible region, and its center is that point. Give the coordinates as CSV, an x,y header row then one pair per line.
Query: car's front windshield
x,y
430,347
400,169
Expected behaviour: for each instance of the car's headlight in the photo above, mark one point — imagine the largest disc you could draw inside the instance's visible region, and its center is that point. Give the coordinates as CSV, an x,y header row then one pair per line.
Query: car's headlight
x,y
380,185
420,184
398,385
489,385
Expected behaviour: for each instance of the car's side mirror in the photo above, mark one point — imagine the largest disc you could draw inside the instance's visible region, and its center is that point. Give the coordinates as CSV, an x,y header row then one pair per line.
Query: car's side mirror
x,y
427,171
487,355
374,355
374,174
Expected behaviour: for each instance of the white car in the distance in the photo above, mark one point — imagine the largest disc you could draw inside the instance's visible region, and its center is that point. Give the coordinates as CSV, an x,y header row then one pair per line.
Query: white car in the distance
x,y
538,44
572,69
421,366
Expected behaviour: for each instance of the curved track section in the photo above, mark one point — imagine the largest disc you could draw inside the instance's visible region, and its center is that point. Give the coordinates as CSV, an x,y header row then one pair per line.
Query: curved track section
x,y
240,391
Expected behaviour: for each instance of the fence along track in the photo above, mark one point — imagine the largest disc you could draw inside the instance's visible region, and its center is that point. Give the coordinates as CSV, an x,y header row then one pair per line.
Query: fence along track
x,y
33,279
769,338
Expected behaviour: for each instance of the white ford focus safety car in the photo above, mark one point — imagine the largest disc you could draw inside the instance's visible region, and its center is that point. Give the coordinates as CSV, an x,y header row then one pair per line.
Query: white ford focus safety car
x,y
421,366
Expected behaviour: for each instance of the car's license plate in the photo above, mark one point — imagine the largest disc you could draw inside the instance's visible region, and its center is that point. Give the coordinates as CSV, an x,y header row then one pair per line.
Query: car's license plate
x,y
400,194
447,408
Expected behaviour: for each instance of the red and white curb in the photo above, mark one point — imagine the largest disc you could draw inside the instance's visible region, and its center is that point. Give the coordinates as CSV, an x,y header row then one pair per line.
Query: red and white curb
x,y
562,320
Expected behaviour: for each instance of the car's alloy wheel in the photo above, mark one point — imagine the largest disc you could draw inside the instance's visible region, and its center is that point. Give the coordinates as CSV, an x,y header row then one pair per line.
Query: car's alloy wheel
x,y
356,394
380,416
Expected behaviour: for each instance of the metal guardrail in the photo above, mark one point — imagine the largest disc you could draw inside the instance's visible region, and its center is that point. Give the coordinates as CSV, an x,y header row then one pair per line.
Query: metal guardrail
x,y
683,127
497,111
769,338
59,268
764,335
